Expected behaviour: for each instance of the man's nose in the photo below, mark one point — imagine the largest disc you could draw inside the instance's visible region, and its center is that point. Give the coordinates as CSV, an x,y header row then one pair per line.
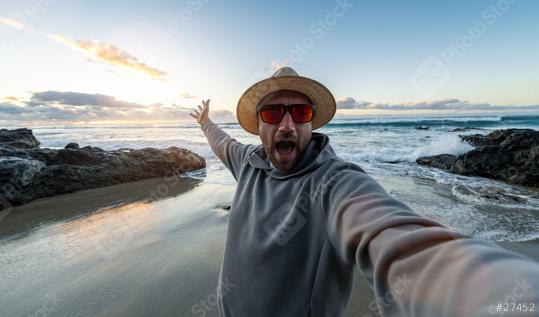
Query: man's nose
x,y
287,124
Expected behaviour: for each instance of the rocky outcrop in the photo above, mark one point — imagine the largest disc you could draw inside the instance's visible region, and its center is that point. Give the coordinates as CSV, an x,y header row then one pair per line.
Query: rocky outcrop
x,y
19,138
28,172
442,161
511,155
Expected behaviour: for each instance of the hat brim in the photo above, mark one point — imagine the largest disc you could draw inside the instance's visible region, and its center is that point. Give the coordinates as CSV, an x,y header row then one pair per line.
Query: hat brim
x,y
318,93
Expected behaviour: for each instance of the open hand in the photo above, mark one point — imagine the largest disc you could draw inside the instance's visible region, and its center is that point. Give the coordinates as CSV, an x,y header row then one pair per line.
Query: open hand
x,y
201,114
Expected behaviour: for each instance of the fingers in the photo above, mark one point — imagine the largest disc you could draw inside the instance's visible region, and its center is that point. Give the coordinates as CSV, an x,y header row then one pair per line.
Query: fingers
x,y
206,103
197,112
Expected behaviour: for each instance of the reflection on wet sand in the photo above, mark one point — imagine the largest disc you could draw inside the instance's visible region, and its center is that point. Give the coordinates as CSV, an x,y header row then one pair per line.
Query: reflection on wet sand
x,y
22,219
158,258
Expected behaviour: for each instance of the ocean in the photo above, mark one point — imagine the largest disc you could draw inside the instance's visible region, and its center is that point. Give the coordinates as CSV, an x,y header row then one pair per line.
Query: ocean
x,y
386,148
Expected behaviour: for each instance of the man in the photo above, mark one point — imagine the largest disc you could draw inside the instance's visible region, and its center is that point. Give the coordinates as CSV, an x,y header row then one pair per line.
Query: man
x,y
302,219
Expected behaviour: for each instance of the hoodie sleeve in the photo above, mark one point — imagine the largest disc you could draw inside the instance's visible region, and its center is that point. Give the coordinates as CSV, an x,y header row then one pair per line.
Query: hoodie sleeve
x,y
231,152
416,266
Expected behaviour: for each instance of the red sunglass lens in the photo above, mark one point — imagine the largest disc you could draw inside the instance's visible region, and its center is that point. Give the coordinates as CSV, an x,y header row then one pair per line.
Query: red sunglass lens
x,y
272,115
302,113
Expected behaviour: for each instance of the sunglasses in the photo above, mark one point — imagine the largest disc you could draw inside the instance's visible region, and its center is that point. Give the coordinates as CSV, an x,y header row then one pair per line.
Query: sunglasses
x,y
274,113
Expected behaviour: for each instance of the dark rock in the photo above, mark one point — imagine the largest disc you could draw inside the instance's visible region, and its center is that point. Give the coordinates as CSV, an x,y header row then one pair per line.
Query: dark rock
x,y
19,138
498,136
421,127
465,129
510,155
396,161
19,171
7,150
93,148
28,174
80,156
442,161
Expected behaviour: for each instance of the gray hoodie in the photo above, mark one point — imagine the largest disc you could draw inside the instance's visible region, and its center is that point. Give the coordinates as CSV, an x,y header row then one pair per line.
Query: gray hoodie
x,y
295,237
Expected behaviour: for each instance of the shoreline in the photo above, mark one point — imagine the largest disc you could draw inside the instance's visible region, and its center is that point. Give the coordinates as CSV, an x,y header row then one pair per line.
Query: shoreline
x,y
84,202
78,204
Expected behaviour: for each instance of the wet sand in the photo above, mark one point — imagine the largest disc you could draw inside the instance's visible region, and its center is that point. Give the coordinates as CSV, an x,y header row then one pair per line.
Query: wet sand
x,y
148,248
24,218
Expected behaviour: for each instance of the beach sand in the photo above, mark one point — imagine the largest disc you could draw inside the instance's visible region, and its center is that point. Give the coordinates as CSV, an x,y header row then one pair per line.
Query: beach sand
x,y
57,208
152,247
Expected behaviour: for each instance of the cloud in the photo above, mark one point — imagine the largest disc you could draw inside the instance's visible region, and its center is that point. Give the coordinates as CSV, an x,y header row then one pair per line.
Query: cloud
x,y
13,23
11,98
10,109
108,53
444,104
80,99
350,103
223,116
105,52
187,95
276,65
57,106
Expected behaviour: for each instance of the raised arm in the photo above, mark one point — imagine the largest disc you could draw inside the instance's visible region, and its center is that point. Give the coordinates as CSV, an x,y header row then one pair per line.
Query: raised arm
x,y
416,266
231,152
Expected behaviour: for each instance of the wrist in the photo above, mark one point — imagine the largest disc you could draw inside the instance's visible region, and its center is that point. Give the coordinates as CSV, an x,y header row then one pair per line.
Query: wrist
x,y
204,123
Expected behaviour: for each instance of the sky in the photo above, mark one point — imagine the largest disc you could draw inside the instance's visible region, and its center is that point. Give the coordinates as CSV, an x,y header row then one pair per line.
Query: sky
x,y
152,61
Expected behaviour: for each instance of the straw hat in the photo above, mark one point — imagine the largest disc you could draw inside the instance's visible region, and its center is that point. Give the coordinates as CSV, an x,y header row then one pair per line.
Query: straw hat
x,y
285,78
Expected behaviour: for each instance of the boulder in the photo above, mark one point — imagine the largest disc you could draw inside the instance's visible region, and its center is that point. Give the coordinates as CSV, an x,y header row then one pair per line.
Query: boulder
x,y
442,161
28,173
72,146
510,155
19,171
19,138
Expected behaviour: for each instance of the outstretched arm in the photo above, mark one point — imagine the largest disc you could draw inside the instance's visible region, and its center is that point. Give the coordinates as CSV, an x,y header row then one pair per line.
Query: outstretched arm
x,y
416,266
228,150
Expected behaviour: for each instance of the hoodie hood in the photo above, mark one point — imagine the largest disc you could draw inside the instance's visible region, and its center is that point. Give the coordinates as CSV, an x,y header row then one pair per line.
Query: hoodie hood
x,y
318,152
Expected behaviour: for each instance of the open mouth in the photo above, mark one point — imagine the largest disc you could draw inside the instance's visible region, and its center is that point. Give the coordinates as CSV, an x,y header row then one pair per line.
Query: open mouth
x,y
285,148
